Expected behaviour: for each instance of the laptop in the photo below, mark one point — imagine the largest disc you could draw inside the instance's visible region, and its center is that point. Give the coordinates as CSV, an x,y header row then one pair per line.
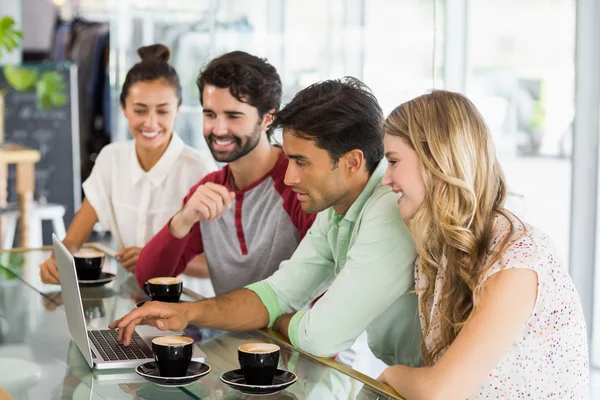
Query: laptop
x,y
99,347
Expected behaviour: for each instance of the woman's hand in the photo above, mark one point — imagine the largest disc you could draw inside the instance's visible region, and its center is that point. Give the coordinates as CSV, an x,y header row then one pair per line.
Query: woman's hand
x,y
128,257
49,271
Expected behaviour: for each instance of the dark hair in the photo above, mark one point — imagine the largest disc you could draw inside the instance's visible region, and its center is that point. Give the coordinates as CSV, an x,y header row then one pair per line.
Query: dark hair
x,y
250,79
339,115
154,65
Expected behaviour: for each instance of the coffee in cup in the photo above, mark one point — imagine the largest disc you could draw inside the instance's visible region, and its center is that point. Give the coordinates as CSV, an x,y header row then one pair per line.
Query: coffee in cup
x,y
172,354
88,264
164,289
258,362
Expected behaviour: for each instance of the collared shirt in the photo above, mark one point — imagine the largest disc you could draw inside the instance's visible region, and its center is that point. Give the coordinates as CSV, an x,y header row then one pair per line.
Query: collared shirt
x,y
134,204
364,263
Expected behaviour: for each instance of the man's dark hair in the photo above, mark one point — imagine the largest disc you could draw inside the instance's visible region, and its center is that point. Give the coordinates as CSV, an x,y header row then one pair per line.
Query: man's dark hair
x,y
339,115
250,79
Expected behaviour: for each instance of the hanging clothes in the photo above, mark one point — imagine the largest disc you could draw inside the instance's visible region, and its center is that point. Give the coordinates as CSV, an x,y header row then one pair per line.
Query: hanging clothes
x,y
86,44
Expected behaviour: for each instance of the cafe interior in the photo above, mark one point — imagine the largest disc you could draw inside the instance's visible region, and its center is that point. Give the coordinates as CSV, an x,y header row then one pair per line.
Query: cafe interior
x,y
531,67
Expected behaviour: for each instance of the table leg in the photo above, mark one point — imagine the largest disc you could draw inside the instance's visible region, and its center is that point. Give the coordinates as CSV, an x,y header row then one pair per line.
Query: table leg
x,y
25,189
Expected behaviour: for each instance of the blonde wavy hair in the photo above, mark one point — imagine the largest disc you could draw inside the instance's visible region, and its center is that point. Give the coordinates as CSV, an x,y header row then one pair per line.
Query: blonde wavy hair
x,y
466,190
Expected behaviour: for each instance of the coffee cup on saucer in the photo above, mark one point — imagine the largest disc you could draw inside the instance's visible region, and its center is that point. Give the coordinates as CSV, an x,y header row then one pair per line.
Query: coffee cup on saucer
x,y
88,264
258,362
166,289
172,354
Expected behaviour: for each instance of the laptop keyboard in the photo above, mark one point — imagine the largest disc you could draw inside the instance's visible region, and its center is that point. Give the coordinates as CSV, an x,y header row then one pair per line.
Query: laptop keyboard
x,y
106,343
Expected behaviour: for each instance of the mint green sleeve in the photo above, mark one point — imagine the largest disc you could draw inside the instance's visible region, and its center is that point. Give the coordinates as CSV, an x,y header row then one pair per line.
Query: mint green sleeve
x,y
302,278
268,298
378,271
293,327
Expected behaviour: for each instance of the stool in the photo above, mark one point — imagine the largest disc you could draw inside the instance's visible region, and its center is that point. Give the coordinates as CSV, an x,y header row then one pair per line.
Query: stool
x,y
39,212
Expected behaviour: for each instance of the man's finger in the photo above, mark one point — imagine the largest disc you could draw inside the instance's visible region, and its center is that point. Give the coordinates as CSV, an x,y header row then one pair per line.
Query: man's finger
x,y
169,324
132,316
113,325
148,311
218,201
223,192
202,210
128,331
211,205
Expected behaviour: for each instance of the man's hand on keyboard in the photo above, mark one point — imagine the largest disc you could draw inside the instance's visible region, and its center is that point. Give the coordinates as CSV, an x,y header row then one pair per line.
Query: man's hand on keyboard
x,y
164,316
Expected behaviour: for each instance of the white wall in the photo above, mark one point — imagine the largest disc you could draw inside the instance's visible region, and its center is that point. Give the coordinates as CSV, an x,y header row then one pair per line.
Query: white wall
x,y
38,24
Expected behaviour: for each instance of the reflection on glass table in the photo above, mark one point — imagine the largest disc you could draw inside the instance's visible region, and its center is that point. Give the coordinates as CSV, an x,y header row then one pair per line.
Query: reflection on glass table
x,y
43,362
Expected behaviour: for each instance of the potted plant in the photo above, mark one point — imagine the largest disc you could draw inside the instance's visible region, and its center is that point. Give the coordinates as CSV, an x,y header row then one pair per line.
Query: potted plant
x,y
49,85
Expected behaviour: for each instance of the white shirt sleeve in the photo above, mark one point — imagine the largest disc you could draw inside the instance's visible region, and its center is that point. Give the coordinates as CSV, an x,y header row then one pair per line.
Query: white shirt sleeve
x,y
97,187
205,165
194,166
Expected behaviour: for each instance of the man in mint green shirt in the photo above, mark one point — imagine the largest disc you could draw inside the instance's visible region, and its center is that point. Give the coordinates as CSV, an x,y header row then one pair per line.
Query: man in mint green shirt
x,y
364,260
358,255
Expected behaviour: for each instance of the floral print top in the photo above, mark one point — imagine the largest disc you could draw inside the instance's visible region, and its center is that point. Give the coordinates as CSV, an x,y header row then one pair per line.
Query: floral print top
x,y
549,357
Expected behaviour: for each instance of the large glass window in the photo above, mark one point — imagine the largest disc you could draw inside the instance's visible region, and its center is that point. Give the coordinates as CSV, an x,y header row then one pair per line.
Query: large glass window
x,y
307,41
521,77
399,49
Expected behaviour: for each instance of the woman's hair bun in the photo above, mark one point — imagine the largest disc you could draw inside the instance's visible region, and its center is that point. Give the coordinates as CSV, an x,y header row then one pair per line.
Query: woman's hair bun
x,y
155,52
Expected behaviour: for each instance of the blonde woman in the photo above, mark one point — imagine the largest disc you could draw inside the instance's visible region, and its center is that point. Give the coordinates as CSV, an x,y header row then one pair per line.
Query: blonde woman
x,y
499,313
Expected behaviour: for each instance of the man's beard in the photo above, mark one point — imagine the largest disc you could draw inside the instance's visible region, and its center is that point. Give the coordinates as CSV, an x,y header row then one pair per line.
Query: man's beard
x,y
240,149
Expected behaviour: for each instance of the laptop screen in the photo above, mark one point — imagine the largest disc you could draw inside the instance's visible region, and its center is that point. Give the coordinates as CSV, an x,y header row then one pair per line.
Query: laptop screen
x,y
72,299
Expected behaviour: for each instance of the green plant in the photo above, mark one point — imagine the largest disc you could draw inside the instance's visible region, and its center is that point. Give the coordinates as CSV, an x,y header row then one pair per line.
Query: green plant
x,y
11,266
9,36
49,85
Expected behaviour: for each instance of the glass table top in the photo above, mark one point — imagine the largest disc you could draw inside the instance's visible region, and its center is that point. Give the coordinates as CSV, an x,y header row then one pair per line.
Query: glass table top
x,y
39,361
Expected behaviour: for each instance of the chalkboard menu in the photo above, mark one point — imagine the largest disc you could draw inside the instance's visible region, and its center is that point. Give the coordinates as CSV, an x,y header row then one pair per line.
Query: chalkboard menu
x,y
54,132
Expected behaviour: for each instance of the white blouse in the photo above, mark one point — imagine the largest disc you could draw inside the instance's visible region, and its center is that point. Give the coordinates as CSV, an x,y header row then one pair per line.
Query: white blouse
x,y
133,204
